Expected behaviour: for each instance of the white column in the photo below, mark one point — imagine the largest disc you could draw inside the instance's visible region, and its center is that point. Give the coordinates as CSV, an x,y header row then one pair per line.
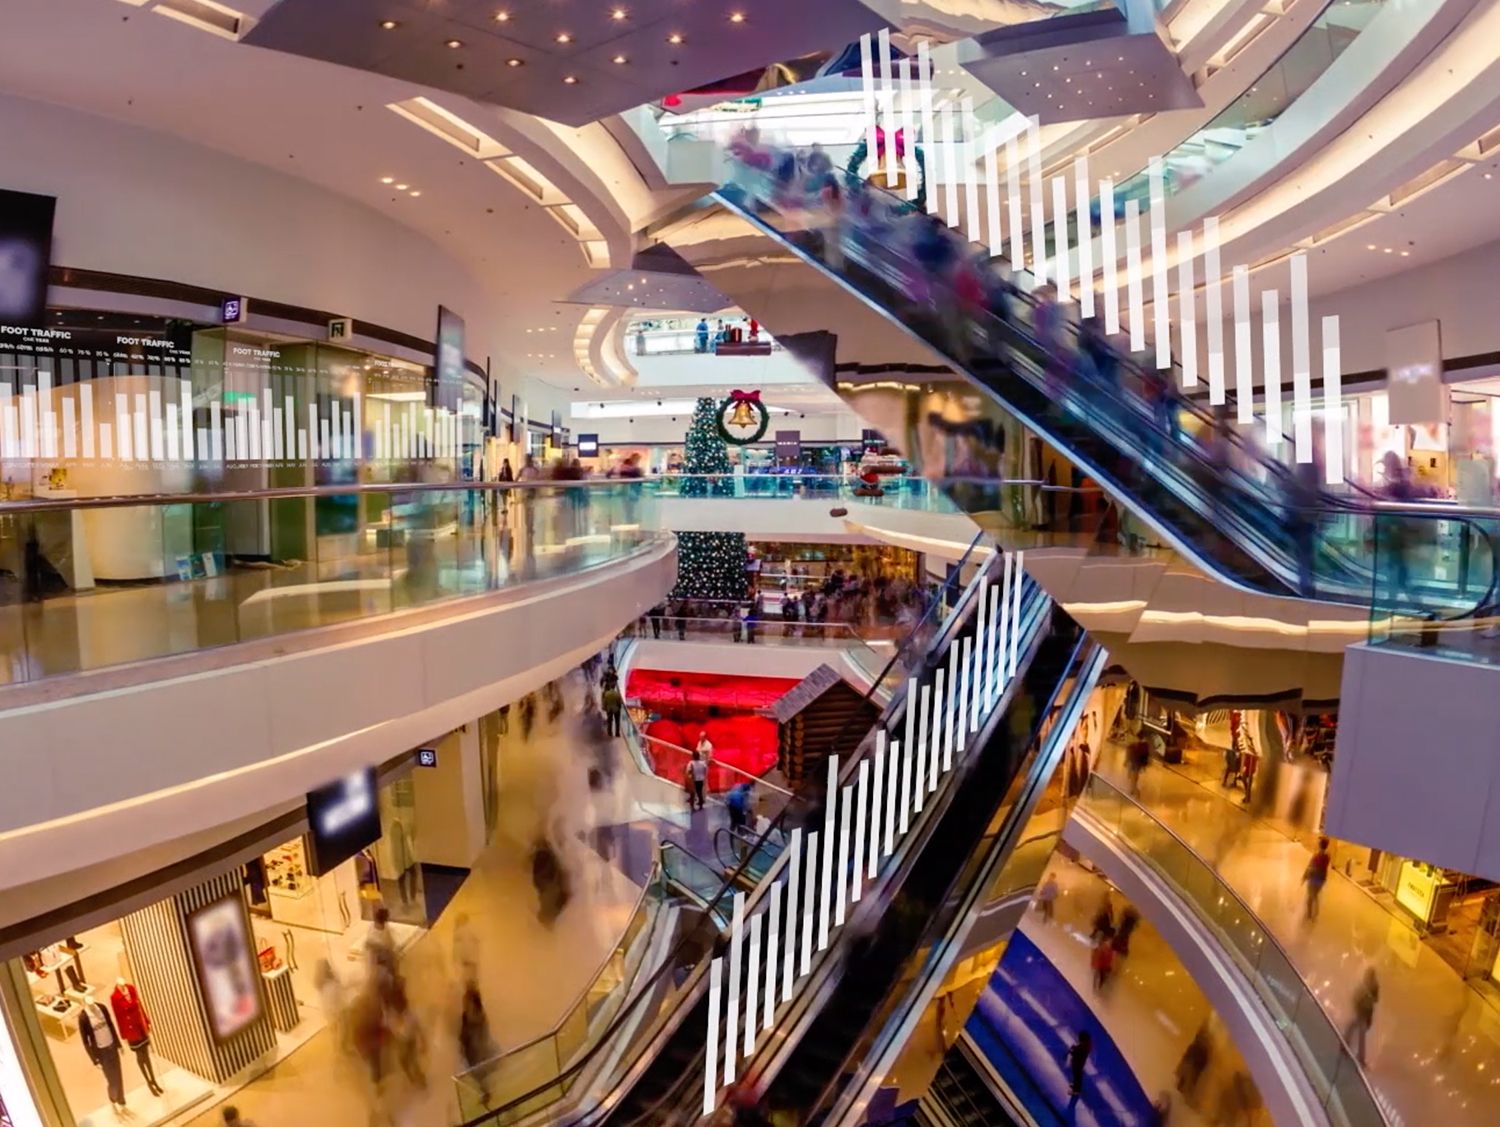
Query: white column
x,y
1160,300
793,885
736,955
857,871
1271,364
773,951
809,902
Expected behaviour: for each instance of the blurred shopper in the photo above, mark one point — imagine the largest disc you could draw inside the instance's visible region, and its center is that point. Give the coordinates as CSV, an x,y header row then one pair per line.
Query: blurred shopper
x,y
656,614
738,803
465,949
529,470
231,1114
680,617
1078,1059
1231,765
614,707
407,1038
1315,876
1046,897
1366,997
475,1042
1194,1063
1129,920
1104,919
1102,961
695,777
380,943
1137,759
506,473
550,878
700,336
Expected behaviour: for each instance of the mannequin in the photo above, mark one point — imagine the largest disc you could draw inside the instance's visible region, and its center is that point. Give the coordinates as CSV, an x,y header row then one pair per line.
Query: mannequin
x,y
135,1027
102,1043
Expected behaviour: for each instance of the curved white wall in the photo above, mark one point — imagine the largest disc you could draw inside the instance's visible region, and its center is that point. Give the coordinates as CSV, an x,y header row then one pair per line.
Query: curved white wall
x,y
133,766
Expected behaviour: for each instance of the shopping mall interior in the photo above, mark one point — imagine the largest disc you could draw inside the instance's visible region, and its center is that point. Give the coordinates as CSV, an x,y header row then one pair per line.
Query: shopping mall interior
x,y
632,563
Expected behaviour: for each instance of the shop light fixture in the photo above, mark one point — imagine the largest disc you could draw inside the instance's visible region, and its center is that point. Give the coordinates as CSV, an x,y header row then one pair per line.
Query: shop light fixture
x,y
502,16
454,44
402,187
621,60
736,17
387,179
618,14
416,192
570,79
675,39
389,25
564,38
515,62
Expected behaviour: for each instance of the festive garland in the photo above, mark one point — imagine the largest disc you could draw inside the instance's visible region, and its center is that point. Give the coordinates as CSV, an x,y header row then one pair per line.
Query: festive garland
x,y
857,158
752,400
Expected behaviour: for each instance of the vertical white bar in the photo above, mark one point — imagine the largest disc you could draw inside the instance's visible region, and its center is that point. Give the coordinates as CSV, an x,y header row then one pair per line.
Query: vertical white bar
x,y
825,870
867,90
312,429
231,439
30,446
1109,256
752,973
909,746
929,127
909,171
1244,376
992,200
1085,225
1302,408
968,715
1333,404
289,422
809,901
46,416
357,428
1213,310
1038,212
153,424
1013,202
413,444
951,718
896,760
243,434
879,827
172,432
1005,619
386,436
997,638
1133,279
1161,307
888,103
732,1012
305,453
793,887
145,450
123,445
267,445
324,441
106,442
1015,622
86,412
841,873
773,952
1271,363
950,167
278,434
69,429
1187,312
1060,253
934,748
861,820
216,430
919,787
185,415
970,152
9,438
711,1055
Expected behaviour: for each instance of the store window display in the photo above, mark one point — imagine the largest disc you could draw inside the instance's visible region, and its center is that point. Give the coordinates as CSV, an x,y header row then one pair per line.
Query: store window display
x,y
134,1028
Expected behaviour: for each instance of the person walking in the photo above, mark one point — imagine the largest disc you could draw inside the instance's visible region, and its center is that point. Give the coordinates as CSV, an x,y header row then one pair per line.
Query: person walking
x,y
614,707
1046,897
1366,997
696,777
1078,1059
737,802
1129,919
1315,876
475,1042
1193,1063
1104,919
1137,759
1231,765
231,1115
680,619
656,614
1102,961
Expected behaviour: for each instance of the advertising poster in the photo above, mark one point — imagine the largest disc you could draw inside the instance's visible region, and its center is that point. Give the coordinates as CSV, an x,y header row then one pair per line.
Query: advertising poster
x,y
448,362
25,255
226,970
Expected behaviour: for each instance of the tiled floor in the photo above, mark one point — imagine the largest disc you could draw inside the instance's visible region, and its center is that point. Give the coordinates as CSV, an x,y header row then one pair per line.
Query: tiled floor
x,y
1434,1051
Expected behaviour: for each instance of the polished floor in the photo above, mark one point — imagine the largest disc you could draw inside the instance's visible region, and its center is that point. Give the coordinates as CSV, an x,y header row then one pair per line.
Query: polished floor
x,y
1434,1047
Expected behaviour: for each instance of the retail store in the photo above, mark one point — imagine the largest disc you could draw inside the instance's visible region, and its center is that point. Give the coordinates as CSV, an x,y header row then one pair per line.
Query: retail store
x,y
176,1004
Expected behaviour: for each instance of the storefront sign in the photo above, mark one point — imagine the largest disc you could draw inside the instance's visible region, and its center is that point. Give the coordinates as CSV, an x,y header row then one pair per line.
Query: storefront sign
x,y
588,445
343,818
788,447
341,328
426,757
1414,370
25,255
1416,889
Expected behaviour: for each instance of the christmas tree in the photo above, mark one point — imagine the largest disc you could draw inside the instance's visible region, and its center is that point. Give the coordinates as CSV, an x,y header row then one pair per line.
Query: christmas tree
x,y
710,565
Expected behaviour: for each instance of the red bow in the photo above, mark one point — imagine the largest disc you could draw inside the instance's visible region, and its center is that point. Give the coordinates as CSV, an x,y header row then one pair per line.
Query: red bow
x,y
738,396
880,143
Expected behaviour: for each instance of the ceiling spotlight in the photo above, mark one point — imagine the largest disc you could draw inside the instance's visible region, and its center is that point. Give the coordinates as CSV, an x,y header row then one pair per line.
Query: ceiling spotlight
x,y
675,39
416,192
620,60
618,14
401,187
502,16
389,25
1369,246
454,44
387,179
736,17
564,38
515,62
571,79
1406,254
1489,175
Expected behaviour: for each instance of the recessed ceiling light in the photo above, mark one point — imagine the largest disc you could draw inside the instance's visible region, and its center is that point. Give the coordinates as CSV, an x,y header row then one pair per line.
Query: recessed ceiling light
x,y
564,38
675,39
1387,250
389,25
736,17
1369,246
620,60
515,62
1489,175
502,16
387,179
454,44
571,79
1406,254
401,187
416,192
618,14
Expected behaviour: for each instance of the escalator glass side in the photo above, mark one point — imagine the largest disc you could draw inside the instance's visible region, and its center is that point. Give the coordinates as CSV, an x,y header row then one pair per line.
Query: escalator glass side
x,y
1435,585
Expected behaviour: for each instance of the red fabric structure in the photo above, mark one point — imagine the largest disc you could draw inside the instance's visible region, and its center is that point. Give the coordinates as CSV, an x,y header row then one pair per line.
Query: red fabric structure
x,y
683,701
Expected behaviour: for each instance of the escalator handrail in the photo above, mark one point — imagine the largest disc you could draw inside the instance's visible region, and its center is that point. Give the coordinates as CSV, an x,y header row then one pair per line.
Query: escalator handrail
x,y
728,889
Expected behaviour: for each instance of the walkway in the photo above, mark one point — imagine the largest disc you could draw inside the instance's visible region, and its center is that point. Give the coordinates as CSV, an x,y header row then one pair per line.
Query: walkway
x,y
1434,1051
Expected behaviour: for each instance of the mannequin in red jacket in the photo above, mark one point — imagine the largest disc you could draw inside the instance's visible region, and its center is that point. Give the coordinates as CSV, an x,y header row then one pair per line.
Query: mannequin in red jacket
x,y
134,1027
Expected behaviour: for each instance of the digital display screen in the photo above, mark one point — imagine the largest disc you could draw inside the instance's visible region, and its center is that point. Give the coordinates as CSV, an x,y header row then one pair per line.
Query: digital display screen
x,y
25,255
343,817
226,969
448,361
588,445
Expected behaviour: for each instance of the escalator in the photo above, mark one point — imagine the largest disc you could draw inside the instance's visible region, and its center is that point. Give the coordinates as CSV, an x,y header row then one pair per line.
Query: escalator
x,y
1259,526
962,1095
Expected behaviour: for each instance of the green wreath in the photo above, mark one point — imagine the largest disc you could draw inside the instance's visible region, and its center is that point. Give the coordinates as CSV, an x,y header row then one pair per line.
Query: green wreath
x,y
853,179
762,412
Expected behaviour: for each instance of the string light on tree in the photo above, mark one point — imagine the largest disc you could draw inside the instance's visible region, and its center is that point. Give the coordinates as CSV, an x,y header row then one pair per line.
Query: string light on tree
x,y
710,565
